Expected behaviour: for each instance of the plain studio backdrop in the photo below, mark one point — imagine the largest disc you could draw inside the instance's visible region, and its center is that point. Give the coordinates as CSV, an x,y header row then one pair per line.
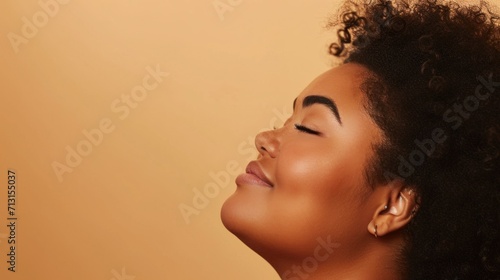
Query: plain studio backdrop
x,y
126,122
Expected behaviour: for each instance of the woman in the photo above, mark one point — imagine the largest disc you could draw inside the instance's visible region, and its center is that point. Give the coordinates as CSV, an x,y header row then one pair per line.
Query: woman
x,y
389,166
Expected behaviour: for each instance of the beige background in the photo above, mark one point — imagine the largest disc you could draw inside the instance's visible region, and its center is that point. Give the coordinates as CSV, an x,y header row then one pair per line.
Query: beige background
x,y
116,215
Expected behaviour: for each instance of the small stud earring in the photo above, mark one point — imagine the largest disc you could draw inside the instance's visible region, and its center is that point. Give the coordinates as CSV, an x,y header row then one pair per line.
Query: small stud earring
x,y
375,231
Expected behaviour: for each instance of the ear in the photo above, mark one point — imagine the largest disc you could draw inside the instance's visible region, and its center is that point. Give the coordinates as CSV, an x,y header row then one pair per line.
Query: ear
x,y
397,204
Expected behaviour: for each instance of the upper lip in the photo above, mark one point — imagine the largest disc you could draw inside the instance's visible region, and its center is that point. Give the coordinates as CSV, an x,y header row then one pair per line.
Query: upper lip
x,y
254,168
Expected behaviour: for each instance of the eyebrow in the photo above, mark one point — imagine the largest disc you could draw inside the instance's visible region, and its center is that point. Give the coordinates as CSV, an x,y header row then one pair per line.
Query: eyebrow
x,y
318,99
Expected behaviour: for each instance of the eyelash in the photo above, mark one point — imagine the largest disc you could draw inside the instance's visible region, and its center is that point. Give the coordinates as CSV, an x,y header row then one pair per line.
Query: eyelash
x,y
302,128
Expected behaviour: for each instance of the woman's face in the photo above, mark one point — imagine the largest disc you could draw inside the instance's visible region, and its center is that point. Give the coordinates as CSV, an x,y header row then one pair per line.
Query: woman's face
x,y
308,182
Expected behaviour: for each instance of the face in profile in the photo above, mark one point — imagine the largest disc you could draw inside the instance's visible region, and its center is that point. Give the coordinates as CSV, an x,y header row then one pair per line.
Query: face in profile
x,y
308,181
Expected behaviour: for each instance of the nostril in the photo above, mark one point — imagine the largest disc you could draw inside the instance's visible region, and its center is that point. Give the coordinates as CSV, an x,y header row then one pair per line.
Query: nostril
x,y
266,142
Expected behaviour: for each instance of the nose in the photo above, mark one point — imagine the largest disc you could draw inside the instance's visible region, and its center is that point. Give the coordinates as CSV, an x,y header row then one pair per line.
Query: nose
x,y
267,143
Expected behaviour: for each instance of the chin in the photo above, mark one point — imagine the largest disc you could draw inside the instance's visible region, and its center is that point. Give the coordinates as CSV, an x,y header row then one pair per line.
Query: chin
x,y
228,216
236,216
263,233
240,219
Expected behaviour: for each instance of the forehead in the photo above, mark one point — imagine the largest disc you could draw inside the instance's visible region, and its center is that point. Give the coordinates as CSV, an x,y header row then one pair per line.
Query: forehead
x,y
347,77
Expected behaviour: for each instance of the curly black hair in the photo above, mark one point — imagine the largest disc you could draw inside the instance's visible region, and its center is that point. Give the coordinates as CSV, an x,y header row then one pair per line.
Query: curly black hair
x,y
435,94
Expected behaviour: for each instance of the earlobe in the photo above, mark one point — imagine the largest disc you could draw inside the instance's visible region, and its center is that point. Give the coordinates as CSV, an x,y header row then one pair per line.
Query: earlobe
x,y
401,205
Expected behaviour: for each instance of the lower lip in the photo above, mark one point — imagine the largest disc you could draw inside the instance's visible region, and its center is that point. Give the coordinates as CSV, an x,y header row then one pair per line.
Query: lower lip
x,y
250,179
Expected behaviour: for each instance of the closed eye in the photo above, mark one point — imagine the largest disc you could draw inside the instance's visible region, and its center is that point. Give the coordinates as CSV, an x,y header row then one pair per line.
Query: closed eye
x,y
306,129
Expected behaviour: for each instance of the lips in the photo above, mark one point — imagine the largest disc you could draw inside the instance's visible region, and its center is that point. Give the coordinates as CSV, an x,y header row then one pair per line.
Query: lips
x,y
253,176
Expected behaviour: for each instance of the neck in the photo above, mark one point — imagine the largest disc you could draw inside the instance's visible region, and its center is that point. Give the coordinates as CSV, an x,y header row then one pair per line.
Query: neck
x,y
379,260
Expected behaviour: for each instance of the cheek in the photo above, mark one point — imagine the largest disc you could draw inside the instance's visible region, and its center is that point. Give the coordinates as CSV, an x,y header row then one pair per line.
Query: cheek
x,y
316,168
320,185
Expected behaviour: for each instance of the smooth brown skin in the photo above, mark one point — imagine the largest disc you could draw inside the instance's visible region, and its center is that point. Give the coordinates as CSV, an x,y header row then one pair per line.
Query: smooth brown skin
x,y
319,191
